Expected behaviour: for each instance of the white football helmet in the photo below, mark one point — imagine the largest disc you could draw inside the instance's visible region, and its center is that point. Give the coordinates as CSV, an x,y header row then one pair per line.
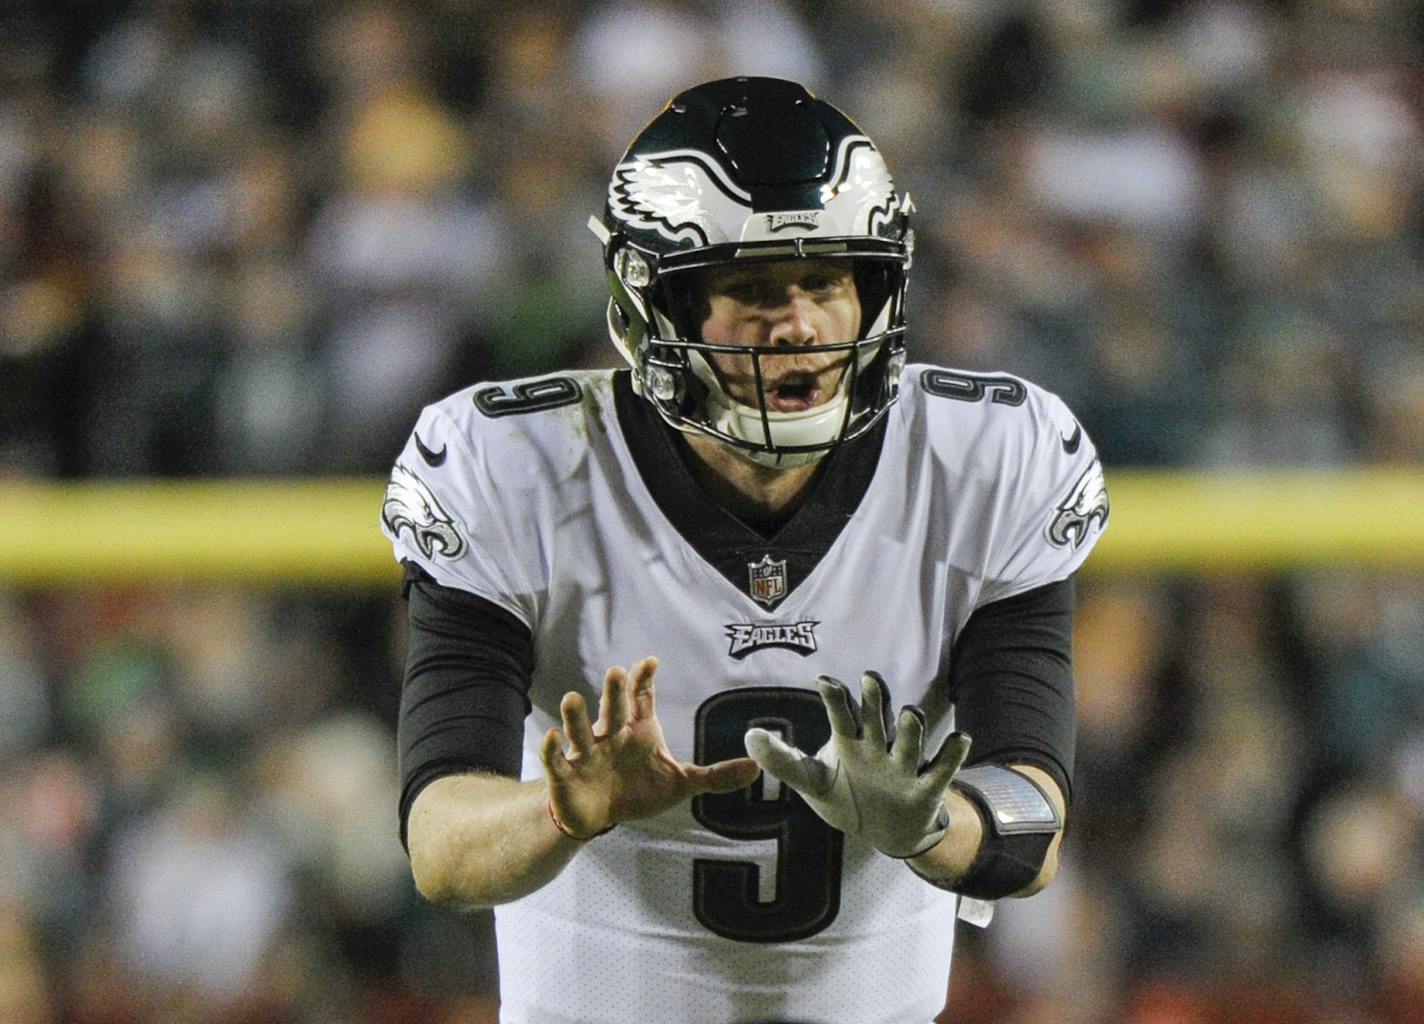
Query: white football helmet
x,y
753,170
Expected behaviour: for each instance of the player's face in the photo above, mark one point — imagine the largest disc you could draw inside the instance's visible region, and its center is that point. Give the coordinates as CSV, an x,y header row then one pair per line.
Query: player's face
x,y
784,306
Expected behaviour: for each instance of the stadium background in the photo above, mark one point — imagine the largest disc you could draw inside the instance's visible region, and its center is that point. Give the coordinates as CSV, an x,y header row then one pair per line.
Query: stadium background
x,y
247,241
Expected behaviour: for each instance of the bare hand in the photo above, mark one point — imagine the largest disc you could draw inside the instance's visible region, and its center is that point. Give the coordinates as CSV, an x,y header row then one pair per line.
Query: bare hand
x,y
620,769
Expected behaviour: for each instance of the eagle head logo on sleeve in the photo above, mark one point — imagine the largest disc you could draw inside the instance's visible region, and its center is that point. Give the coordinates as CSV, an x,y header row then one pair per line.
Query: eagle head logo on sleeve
x,y
1085,504
410,505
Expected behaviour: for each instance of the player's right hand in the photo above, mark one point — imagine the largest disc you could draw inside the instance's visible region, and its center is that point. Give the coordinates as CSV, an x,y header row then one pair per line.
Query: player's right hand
x,y
620,768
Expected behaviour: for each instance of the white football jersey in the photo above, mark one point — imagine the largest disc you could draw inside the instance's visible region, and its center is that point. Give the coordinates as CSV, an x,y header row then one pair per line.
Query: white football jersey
x,y
743,907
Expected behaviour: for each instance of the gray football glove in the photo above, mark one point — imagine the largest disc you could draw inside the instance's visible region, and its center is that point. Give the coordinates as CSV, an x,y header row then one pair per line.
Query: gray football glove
x,y
860,783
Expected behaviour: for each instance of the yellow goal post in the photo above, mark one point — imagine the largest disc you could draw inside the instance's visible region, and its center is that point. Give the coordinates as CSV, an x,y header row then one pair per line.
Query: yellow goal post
x,y
325,531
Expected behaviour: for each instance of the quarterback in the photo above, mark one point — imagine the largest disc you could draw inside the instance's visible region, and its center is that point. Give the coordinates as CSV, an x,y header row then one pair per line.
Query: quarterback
x,y
658,614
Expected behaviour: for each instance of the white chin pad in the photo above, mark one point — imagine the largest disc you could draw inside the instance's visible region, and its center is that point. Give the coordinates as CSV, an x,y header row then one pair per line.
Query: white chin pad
x,y
818,425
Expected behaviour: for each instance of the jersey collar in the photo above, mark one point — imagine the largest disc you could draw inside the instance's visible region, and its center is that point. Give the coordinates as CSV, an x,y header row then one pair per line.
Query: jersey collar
x,y
752,561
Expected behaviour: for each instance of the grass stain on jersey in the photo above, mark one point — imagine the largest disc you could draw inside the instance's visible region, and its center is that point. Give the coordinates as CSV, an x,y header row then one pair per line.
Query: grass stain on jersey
x,y
590,409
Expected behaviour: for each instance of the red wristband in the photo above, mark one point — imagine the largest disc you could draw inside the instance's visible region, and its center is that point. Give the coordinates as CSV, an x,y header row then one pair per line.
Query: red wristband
x,y
560,826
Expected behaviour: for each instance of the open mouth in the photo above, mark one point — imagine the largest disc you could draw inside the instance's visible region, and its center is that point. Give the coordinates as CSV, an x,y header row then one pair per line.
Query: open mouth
x,y
793,392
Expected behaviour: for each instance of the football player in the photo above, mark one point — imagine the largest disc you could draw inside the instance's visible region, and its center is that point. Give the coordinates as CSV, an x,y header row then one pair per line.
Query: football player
x,y
657,614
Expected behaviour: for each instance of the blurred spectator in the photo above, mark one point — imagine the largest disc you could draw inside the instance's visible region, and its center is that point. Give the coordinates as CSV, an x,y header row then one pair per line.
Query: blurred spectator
x,y
1218,192
198,896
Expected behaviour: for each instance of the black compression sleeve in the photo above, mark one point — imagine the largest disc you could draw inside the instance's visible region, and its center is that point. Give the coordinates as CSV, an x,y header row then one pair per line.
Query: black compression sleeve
x,y
1011,677
466,690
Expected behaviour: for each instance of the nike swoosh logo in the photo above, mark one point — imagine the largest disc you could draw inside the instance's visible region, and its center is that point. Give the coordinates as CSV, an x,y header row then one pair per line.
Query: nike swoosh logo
x,y
1070,444
431,458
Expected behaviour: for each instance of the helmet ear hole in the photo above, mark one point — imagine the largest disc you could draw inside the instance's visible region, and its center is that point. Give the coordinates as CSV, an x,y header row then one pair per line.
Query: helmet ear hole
x,y
619,323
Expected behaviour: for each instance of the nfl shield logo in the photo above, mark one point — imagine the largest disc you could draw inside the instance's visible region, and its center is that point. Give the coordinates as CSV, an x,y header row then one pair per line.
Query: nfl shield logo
x,y
767,580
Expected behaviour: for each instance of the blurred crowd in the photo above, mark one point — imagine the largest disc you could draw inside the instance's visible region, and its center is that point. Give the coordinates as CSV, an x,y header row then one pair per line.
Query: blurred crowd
x,y
254,237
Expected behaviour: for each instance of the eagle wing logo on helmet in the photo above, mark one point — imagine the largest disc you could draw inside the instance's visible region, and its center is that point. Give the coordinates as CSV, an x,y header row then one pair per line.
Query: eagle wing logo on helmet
x,y
1085,504
861,196
682,194
411,505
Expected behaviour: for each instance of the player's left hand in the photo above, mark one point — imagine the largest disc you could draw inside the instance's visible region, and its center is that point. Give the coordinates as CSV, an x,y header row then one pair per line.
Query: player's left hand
x,y
859,782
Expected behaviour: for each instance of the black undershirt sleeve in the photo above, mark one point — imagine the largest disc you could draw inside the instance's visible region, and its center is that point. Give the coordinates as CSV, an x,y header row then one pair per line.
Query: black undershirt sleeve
x,y
1011,678
470,665
468,670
